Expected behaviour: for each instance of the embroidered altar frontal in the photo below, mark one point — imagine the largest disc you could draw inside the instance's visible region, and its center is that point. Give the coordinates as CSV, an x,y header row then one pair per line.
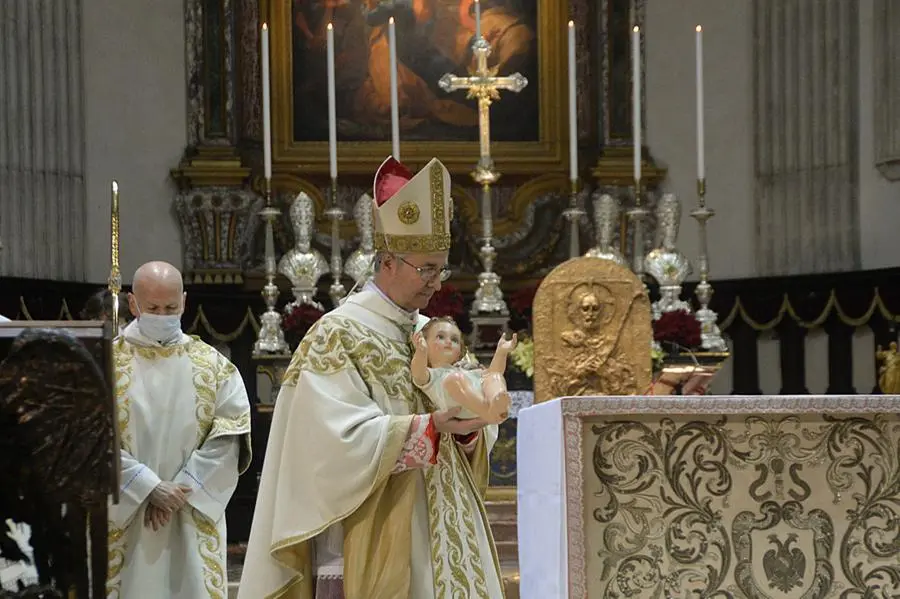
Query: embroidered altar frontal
x,y
731,496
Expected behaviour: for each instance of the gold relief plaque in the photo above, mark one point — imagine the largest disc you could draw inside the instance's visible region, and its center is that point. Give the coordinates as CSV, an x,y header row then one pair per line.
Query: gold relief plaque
x,y
592,331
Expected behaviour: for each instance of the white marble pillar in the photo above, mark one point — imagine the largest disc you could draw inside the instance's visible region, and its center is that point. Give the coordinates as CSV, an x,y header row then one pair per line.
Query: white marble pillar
x,y
886,62
42,192
806,136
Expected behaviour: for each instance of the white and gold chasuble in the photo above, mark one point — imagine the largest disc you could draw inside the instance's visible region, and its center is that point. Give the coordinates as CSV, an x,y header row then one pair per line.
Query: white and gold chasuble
x,y
340,422
183,417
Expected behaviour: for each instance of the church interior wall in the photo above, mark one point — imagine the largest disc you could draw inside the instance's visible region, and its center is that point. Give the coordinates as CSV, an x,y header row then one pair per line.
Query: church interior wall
x,y
879,208
136,131
135,109
671,122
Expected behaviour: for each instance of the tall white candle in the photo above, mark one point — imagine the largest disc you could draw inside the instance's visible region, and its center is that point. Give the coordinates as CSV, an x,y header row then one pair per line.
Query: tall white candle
x,y
701,142
332,111
573,116
636,98
267,104
477,19
395,108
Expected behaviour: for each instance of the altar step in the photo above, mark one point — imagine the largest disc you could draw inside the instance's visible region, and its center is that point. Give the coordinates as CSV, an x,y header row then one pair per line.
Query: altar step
x,y
502,516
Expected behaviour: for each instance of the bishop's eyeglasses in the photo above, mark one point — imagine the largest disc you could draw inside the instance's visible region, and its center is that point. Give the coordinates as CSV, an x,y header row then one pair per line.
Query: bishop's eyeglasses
x,y
429,273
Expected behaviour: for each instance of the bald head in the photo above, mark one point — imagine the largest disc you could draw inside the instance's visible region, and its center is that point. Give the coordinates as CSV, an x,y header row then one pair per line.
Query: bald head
x,y
157,288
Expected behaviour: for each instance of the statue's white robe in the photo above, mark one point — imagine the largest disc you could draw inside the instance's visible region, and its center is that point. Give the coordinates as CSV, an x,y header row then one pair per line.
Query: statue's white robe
x,y
183,417
328,489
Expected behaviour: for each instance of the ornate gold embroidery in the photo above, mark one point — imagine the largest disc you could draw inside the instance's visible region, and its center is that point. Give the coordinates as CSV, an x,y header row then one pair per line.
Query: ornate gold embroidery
x,y
438,226
456,563
412,244
408,213
116,552
235,426
211,553
123,369
337,343
205,362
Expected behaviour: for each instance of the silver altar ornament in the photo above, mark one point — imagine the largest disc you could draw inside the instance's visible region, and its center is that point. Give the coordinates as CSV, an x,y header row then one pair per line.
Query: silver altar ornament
x,y
303,265
607,212
360,263
665,263
270,340
710,334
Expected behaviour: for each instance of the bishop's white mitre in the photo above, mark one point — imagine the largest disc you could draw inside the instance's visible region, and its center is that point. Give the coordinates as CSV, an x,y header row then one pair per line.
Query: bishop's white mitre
x,y
412,212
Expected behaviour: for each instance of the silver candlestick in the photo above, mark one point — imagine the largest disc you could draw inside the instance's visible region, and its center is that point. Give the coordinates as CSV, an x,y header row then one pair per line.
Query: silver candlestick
x,y
336,214
710,333
271,336
637,215
606,220
303,265
574,213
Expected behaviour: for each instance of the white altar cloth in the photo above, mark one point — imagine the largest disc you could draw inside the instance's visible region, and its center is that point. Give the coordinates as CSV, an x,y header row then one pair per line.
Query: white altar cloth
x,y
555,472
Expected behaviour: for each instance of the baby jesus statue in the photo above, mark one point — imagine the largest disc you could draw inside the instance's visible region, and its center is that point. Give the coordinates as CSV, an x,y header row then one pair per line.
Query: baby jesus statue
x,y
440,369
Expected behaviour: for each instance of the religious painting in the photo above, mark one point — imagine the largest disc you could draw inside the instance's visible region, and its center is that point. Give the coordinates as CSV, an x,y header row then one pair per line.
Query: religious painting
x,y
433,38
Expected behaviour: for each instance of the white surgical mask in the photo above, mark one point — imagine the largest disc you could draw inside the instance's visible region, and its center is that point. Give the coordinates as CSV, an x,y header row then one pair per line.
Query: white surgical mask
x,y
162,328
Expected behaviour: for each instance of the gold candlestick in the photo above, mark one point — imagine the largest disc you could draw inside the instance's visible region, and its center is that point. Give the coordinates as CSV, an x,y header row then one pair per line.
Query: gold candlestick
x,y
485,87
115,274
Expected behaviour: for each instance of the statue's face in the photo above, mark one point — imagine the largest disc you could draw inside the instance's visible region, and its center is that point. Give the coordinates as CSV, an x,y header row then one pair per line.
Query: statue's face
x,y
590,310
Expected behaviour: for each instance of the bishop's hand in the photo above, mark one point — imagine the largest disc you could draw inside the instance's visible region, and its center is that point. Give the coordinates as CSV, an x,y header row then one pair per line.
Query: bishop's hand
x,y
446,421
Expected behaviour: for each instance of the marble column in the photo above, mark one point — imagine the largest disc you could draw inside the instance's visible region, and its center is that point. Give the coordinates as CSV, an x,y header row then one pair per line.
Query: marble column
x,y
806,136
216,205
42,189
886,58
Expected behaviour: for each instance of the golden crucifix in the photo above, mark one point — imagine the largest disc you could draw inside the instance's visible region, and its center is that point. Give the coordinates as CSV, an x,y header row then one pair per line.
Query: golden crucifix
x,y
484,85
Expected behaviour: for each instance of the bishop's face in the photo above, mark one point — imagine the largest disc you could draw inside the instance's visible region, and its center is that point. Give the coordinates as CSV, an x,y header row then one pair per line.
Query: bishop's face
x,y
411,279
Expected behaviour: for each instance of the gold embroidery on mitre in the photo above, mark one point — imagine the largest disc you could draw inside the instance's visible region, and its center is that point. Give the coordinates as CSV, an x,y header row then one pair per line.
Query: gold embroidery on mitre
x,y
439,238
412,244
408,213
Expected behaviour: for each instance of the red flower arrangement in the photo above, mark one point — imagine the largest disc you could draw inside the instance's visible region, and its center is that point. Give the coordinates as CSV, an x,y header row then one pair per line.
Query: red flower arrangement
x,y
521,301
678,328
446,302
298,321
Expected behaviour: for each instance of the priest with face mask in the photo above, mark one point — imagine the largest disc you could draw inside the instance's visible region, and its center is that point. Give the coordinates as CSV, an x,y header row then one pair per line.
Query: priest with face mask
x,y
184,422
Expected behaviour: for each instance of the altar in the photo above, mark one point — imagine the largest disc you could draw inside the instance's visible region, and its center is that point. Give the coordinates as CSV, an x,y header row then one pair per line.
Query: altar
x,y
780,496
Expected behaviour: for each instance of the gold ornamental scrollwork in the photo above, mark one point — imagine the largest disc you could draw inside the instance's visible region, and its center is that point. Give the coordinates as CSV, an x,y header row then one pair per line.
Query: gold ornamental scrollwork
x,y
592,331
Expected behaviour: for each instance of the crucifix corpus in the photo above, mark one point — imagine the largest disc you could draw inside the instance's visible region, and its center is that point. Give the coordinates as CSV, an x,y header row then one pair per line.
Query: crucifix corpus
x,y
484,85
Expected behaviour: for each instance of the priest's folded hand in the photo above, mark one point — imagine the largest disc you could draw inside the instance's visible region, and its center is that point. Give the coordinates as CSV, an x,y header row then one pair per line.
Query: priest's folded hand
x,y
155,517
445,421
170,497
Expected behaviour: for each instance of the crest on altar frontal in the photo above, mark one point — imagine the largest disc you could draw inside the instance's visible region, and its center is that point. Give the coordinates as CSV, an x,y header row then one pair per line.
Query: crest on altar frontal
x,y
591,331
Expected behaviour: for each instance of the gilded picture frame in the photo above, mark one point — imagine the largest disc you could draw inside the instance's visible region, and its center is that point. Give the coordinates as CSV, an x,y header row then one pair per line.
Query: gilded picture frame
x,y
545,154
